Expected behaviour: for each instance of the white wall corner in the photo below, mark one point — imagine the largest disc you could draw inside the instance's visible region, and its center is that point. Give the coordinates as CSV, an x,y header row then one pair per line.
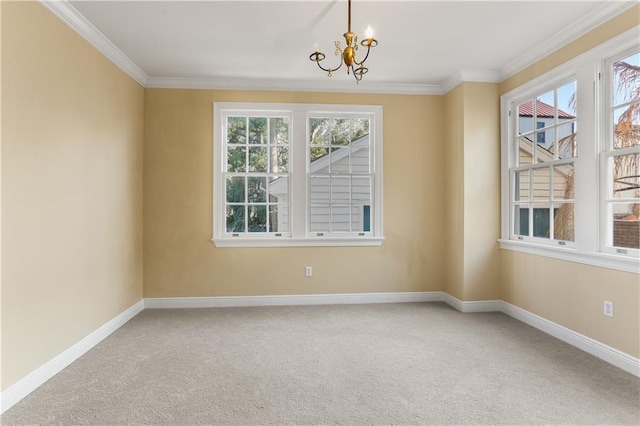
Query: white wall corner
x,y
36,378
451,82
474,306
74,19
473,76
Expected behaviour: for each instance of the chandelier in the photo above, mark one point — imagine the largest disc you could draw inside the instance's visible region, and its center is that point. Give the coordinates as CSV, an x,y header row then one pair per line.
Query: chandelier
x,y
348,55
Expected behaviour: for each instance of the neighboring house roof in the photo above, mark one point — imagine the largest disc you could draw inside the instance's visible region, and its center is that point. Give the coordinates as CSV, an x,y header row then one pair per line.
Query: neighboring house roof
x,y
542,110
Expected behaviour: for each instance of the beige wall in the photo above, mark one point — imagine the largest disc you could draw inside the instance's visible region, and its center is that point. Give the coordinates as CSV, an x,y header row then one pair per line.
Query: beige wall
x,y
180,259
571,295
71,188
472,202
568,293
454,194
481,191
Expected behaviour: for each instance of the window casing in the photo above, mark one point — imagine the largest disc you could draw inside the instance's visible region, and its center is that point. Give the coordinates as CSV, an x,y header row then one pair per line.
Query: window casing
x,y
297,175
563,187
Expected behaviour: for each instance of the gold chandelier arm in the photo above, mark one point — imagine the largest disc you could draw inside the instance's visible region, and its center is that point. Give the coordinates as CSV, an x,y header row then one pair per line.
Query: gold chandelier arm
x,y
368,43
319,56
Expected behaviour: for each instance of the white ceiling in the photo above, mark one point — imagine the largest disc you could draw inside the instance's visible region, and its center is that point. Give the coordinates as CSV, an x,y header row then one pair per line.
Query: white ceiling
x,y
422,44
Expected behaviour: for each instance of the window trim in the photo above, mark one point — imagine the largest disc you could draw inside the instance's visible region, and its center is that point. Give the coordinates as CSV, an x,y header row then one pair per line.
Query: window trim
x,y
298,235
587,248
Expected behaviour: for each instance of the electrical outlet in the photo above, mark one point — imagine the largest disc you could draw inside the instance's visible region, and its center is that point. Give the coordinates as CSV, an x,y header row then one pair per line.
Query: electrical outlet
x,y
308,271
608,308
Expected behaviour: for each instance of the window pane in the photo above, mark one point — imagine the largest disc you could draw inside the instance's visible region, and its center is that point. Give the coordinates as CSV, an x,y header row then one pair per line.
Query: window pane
x,y
340,190
360,159
235,218
525,150
626,225
340,133
258,130
236,159
279,129
361,218
279,159
340,219
319,218
521,220
521,192
567,145
525,117
278,218
278,189
545,107
235,189
541,185
319,190
626,125
626,182
340,160
237,130
258,159
361,189
626,84
567,102
257,219
257,189
563,182
359,128
544,144
316,154
320,131
563,223
541,222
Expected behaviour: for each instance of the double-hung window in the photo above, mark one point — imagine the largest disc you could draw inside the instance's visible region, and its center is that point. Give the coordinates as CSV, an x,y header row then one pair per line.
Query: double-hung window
x,y
543,165
297,175
620,158
571,158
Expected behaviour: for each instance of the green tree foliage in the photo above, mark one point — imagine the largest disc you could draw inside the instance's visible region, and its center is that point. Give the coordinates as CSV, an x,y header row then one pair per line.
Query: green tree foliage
x,y
334,132
255,145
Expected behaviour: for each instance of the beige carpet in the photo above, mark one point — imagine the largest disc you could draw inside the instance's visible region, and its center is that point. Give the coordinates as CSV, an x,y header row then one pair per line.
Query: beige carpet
x,y
360,364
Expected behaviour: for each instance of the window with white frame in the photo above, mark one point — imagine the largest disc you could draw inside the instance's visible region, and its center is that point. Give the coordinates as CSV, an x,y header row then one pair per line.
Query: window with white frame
x,y
543,167
621,155
297,175
568,194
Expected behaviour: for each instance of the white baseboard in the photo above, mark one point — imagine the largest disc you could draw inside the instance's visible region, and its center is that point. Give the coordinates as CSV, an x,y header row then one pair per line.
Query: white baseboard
x,y
472,306
613,356
28,384
290,300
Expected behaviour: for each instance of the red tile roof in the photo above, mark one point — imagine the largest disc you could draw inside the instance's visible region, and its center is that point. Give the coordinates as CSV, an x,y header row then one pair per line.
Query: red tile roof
x,y
543,110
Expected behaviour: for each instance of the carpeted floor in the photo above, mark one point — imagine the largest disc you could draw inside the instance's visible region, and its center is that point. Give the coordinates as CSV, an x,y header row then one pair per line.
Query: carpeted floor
x,y
413,363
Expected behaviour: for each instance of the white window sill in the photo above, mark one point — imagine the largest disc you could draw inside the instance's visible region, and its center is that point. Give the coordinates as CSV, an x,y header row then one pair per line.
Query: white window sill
x,y
604,260
299,242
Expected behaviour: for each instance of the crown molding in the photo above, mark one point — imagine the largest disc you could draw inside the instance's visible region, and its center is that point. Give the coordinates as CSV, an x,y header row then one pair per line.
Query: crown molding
x,y
74,19
476,76
292,85
572,32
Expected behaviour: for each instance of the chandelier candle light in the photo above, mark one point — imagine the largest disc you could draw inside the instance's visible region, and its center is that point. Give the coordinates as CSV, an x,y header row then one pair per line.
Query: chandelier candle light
x,y
349,54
